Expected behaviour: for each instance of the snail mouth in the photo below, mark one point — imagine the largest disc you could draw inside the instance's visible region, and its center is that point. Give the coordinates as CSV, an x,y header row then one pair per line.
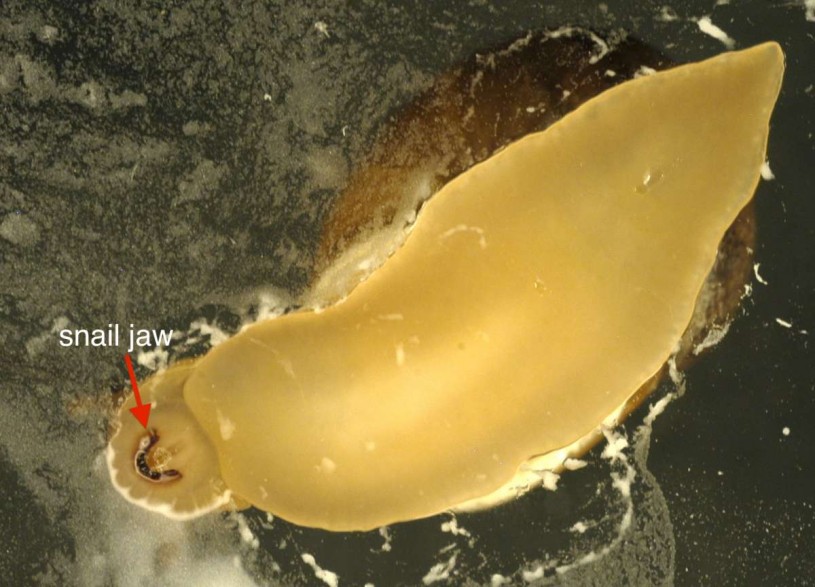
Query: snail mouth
x,y
151,464
171,467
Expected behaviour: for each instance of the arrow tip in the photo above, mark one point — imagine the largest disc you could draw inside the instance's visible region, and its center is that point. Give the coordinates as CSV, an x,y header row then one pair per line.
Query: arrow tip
x,y
142,413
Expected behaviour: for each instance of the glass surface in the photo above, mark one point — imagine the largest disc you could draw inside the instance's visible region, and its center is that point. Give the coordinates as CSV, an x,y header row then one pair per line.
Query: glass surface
x,y
171,166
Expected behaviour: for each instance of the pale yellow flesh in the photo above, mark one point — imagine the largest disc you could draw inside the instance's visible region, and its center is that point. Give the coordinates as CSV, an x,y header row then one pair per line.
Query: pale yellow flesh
x,y
535,294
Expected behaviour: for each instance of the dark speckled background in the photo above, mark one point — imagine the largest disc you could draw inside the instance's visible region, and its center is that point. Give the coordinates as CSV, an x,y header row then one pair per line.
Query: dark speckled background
x,y
159,160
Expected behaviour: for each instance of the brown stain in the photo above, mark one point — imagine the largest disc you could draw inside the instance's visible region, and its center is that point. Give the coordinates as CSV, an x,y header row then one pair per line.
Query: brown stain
x,y
470,113
478,108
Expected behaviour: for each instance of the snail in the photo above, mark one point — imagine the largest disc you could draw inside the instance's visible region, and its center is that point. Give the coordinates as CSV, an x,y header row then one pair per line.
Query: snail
x,y
538,292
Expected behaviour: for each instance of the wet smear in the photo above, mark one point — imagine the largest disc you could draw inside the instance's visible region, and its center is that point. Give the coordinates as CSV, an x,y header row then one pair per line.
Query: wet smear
x,y
33,549
109,110
20,230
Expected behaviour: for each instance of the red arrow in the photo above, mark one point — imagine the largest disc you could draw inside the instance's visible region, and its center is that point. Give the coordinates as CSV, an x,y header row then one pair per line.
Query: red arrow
x,y
141,411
